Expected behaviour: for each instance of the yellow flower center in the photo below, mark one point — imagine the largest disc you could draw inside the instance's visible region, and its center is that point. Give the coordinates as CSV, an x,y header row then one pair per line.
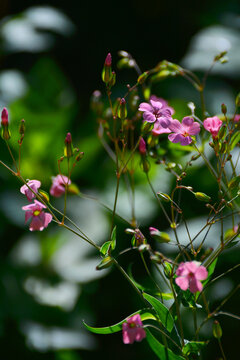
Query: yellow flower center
x,y
36,213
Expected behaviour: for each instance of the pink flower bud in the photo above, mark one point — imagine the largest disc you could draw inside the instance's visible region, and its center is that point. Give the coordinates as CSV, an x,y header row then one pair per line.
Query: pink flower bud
x,y
4,117
236,118
68,138
142,147
108,60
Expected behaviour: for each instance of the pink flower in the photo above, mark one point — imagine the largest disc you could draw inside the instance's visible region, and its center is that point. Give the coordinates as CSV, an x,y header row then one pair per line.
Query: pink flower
x,y
156,111
34,185
189,275
212,124
236,118
132,330
164,103
183,131
142,147
59,185
40,219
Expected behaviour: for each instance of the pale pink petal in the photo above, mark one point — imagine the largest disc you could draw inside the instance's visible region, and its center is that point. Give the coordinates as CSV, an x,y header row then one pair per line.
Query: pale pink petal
x,y
176,126
182,282
149,117
47,220
30,207
194,129
39,205
145,107
158,129
201,273
157,105
181,270
136,319
191,266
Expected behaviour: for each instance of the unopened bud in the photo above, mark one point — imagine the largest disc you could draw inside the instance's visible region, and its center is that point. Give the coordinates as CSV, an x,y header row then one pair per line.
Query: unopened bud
x,y
234,183
164,197
44,195
107,70
160,236
4,117
217,330
224,109
108,60
222,132
202,197
105,263
122,110
80,156
237,100
167,269
22,127
5,133
142,147
68,149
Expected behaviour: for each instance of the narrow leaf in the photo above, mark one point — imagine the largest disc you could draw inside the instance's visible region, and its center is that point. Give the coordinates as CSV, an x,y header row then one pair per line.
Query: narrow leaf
x,y
162,311
145,315
161,352
105,247
193,347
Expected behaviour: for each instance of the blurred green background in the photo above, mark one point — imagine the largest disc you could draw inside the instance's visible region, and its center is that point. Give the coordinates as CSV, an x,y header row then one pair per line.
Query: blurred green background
x,y
51,57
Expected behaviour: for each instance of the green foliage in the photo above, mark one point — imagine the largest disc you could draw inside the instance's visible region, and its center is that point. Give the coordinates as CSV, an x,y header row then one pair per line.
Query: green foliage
x,y
161,352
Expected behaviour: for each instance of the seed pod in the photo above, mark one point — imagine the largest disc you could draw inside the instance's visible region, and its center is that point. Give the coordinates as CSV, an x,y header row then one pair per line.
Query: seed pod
x,y
122,110
68,149
202,197
217,330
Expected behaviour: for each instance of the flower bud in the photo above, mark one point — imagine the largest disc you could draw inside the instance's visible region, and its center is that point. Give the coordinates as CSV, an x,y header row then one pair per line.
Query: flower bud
x,y
167,269
160,236
237,101
164,197
142,147
224,109
107,70
112,82
217,330
5,133
22,127
139,238
234,183
202,197
122,110
44,195
4,117
68,149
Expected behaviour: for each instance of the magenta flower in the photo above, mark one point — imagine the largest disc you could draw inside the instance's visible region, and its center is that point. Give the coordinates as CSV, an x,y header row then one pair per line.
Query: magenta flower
x,y
34,185
40,219
59,185
212,124
183,131
142,147
189,275
4,117
163,102
156,111
132,330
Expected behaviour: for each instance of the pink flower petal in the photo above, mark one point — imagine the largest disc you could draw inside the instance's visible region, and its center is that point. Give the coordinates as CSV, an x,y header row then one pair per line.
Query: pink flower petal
x,y
185,140
145,107
201,273
182,282
187,120
175,138
194,129
191,266
176,126
195,285
140,334
149,117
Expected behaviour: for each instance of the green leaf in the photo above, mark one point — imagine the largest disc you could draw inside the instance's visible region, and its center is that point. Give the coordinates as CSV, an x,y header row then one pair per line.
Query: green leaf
x,y
105,263
235,140
193,347
145,315
105,247
210,269
188,299
113,238
161,352
165,296
162,311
